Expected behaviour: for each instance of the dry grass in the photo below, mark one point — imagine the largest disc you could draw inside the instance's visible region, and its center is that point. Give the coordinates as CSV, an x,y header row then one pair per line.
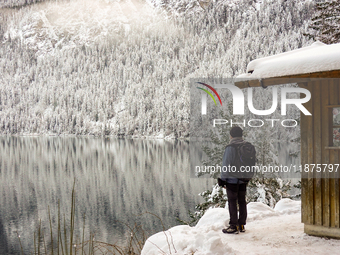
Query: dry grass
x,y
64,242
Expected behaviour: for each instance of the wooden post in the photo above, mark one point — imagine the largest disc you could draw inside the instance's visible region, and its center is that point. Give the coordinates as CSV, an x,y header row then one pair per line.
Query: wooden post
x,y
325,123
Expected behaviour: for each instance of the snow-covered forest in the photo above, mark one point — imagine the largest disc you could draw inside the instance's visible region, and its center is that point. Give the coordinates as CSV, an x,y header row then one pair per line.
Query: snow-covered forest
x,y
123,67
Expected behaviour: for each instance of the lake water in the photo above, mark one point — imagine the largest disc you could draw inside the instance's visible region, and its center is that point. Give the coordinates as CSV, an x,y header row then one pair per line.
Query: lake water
x,y
117,180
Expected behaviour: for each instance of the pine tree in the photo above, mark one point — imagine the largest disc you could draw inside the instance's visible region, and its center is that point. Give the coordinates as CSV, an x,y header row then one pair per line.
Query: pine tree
x,y
325,25
139,78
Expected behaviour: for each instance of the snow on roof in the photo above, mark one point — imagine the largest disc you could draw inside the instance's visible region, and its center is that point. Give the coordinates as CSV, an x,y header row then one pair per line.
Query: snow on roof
x,y
317,57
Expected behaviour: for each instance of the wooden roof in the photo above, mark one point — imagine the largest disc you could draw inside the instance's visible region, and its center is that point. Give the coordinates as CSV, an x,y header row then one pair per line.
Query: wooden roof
x,y
306,77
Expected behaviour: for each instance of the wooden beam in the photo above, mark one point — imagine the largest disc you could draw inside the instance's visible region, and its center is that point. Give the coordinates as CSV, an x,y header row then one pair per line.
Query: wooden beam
x,y
317,152
322,231
310,156
336,93
307,77
326,121
304,160
333,157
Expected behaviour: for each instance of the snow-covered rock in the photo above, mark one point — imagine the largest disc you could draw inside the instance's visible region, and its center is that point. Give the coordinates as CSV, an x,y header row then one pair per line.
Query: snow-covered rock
x,y
214,219
186,240
288,206
258,210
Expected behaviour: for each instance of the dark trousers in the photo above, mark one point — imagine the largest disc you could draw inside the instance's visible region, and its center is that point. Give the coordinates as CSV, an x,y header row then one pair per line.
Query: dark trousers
x,y
237,194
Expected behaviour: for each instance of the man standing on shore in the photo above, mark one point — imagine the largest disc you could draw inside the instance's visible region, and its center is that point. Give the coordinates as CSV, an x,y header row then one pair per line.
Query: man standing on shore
x,y
236,188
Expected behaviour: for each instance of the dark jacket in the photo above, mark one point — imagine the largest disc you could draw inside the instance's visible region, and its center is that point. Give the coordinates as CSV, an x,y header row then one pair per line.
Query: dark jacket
x,y
228,159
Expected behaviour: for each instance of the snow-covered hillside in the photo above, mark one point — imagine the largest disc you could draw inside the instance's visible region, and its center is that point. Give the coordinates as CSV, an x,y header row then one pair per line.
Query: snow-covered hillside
x,y
268,231
123,67
67,24
180,7
192,7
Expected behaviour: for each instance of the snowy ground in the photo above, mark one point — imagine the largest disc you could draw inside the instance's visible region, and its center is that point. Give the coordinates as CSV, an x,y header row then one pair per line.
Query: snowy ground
x,y
268,231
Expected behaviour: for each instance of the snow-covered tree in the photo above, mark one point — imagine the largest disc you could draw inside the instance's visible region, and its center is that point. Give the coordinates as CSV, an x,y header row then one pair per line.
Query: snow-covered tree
x,y
325,25
89,78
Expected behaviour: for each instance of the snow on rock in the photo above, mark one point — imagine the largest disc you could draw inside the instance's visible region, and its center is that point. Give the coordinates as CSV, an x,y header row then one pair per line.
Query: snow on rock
x,y
317,57
268,231
214,219
258,210
288,206
185,240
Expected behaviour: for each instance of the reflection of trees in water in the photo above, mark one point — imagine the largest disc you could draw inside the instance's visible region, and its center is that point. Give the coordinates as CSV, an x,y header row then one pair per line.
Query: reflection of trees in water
x,y
285,150
3,240
116,180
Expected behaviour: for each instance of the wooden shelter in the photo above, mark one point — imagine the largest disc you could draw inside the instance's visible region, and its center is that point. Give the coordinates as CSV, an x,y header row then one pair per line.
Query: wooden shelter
x,y
316,68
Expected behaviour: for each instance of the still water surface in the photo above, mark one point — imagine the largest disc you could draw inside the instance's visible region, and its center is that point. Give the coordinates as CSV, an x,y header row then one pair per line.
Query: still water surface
x,y
117,180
